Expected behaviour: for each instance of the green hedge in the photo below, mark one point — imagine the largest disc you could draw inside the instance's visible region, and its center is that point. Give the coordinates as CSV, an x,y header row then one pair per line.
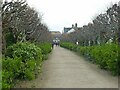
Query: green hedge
x,y
22,61
70,46
45,47
106,56
26,51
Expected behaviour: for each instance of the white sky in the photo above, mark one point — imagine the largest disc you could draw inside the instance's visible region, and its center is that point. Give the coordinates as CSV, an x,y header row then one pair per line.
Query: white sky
x,y
58,14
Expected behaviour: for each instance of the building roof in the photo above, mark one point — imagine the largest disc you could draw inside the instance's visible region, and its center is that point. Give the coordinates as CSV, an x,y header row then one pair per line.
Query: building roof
x,y
67,29
70,31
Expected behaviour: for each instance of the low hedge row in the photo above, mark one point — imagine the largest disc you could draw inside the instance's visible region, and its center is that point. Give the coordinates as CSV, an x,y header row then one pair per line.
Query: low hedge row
x,y
106,56
45,49
21,61
70,46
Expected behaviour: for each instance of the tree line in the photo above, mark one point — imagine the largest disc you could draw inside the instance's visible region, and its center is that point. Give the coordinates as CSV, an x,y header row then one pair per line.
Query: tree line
x,y
103,28
22,23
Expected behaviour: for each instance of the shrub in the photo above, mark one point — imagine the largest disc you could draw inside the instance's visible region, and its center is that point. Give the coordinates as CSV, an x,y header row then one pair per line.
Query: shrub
x,y
45,47
26,50
22,61
7,78
11,69
106,56
69,45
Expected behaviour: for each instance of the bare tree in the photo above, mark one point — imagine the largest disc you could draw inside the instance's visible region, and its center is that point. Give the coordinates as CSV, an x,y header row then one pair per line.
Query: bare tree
x,y
22,23
100,30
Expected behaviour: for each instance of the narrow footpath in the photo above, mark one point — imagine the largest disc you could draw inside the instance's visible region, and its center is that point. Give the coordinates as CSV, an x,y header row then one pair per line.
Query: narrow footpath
x,y
66,69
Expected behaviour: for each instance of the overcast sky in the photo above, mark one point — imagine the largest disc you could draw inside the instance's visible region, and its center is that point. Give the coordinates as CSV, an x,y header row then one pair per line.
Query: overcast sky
x,y
58,14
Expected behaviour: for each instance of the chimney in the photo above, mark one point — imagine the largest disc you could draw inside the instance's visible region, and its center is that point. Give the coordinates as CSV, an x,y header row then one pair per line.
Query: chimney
x,y
75,24
72,26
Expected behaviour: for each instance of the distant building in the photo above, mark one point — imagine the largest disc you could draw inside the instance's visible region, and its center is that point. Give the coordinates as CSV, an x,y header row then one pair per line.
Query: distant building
x,y
70,29
55,34
66,29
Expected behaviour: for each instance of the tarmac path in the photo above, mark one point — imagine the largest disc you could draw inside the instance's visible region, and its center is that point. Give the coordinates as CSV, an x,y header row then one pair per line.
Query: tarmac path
x,y
66,69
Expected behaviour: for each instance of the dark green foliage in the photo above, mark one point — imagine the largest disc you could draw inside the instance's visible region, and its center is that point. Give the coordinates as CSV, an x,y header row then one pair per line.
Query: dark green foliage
x,y
25,50
10,39
68,45
106,56
45,49
11,70
23,61
7,79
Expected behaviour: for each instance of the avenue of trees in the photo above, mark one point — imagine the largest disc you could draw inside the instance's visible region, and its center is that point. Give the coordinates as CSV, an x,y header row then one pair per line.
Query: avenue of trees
x,y
22,23
99,40
102,29
25,43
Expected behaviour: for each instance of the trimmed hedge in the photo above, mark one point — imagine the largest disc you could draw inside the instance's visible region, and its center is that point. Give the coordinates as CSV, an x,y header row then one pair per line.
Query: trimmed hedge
x,y
26,50
106,56
22,61
69,46
46,48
